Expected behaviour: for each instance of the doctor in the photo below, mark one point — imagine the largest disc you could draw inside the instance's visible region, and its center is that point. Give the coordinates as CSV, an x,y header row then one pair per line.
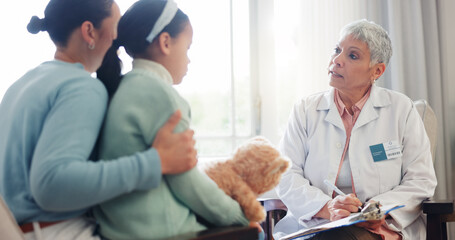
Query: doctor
x,y
368,141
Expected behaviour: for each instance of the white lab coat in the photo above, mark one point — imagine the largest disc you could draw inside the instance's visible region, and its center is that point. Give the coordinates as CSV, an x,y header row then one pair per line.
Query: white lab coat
x,y
315,139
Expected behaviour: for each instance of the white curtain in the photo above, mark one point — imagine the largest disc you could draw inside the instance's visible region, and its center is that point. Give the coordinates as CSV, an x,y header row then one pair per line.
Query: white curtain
x,y
421,65
416,70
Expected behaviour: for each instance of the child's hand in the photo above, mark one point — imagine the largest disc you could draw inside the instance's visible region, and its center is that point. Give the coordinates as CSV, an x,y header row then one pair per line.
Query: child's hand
x,y
256,225
260,231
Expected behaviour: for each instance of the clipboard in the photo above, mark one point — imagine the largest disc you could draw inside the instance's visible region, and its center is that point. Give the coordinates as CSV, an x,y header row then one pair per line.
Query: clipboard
x,y
347,221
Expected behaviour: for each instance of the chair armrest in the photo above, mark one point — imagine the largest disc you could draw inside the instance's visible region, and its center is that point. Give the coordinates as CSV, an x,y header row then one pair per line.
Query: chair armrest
x,y
271,204
222,233
438,212
437,206
276,210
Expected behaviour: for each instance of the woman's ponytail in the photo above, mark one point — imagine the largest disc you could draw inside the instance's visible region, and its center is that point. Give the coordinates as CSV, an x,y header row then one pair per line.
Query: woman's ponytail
x,y
110,71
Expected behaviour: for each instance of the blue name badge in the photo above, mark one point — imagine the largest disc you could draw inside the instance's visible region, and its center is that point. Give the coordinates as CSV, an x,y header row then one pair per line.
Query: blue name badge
x,y
384,151
378,152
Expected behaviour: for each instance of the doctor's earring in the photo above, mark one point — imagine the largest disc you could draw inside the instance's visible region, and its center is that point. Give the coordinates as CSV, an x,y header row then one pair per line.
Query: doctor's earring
x,y
91,46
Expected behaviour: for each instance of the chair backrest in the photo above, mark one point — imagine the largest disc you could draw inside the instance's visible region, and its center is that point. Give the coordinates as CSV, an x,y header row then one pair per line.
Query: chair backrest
x,y
429,121
8,225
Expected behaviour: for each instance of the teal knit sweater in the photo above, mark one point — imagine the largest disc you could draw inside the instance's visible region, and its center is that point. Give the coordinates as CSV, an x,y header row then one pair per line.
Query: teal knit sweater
x,y
142,104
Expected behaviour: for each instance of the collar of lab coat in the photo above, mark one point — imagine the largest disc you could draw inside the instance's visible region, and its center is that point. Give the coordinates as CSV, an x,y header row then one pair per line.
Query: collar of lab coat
x,y
378,99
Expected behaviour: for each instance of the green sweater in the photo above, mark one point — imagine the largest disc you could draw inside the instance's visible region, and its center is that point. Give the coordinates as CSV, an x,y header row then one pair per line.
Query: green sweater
x,y
142,104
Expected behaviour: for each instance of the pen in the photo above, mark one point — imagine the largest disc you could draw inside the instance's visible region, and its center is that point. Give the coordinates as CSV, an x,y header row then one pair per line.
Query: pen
x,y
334,188
337,190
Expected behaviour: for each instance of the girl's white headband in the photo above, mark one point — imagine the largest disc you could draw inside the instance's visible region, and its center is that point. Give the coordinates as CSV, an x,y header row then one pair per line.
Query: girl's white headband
x,y
169,11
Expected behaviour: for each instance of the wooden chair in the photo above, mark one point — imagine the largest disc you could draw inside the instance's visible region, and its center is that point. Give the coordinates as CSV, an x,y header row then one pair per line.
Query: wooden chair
x,y
225,233
275,210
438,212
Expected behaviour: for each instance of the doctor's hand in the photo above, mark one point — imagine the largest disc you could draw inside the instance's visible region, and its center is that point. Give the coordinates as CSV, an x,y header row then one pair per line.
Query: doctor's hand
x,y
340,207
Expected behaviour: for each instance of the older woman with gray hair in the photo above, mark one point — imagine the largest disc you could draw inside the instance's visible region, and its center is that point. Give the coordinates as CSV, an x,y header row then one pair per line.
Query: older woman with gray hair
x,y
368,141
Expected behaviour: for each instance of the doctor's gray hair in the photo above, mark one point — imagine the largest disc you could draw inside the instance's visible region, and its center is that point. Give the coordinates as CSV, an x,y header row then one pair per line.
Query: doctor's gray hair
x,y
374,36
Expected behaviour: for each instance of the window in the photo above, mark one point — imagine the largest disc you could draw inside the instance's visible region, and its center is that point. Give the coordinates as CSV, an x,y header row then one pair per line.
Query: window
x,y
218,85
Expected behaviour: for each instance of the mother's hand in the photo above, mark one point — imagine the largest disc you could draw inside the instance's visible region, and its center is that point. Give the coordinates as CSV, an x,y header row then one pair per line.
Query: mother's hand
x,y
176,150
340,207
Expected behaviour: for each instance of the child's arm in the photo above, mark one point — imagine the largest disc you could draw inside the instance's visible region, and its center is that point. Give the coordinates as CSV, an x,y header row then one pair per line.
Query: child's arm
x,y
202,195
195,189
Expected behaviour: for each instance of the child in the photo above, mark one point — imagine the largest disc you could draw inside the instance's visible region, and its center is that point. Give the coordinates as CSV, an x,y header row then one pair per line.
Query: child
x,y
157,35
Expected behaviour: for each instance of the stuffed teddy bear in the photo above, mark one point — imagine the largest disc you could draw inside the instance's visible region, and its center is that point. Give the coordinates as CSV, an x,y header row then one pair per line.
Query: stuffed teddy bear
x,y
255,168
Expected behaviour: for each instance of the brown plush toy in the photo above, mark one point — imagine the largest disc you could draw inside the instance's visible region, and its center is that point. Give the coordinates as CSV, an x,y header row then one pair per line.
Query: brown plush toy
x,y
255,169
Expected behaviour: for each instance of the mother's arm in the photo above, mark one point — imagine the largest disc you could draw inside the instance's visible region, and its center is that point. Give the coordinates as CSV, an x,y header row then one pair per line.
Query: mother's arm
x,y
61,177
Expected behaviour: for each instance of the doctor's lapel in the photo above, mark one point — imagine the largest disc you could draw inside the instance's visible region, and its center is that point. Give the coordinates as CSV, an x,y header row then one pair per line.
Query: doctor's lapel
x,y
371,108
327,103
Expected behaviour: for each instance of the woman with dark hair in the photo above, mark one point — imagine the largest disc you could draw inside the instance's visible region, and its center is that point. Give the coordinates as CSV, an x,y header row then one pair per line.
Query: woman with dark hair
x,y
49,124
157,35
